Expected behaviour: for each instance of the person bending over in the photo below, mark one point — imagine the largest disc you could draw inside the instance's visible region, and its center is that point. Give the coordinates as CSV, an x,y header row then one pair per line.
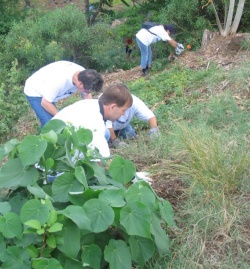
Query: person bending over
x,y
122,127
56,81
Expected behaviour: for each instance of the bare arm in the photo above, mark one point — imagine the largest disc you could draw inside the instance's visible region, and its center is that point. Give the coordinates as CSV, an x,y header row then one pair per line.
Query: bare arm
x,y
49,107
112,134
173,43
152,122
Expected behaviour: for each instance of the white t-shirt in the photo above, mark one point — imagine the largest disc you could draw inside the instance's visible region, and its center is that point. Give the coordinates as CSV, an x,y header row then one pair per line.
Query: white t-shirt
x,y
147,38
86,114
138,109
53,81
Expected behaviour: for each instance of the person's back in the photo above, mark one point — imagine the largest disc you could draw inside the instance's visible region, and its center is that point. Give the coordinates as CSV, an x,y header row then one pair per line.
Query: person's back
x,y
57,75
86,114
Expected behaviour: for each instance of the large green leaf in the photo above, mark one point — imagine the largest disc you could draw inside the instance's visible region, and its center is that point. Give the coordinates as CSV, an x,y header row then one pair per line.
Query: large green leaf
x,y
100,214
81,198
92,255
70,237
54,151
81,177
115,198
16,258
43,263
142,249
137,192
84,136
117,254
136,218
99,173
69,263
2,245
51,136
13,174
17,202
10,225
78,215
37,191
33,209
31,149
121,170
6,148
63,185
167,213
4,207
55,125
89,171
161,238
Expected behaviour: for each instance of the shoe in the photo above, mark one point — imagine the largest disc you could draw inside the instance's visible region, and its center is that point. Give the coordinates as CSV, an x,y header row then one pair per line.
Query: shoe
x,y
144,71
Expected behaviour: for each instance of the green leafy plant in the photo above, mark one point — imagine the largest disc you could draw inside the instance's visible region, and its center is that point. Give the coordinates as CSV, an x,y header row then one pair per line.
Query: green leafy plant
x,y
62,209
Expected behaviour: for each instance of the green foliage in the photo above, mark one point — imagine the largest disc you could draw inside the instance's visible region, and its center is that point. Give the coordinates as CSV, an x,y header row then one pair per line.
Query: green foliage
x,y
213,164
10,13
88,214
12,101
52,36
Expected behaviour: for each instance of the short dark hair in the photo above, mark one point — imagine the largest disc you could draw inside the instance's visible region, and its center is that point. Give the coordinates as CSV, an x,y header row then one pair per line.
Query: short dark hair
x,y
118,94
170,28
91,80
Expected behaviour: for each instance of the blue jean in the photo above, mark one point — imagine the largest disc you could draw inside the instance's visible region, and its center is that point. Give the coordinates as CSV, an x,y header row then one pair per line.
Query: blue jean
x,y
126,133
43,115
107,134
146,54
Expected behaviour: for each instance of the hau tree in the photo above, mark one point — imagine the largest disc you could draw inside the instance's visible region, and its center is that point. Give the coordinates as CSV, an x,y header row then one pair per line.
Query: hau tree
x,y
233,10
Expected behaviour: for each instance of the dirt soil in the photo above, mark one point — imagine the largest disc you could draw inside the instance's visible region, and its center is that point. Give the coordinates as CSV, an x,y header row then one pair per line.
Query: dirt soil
x,y
226,52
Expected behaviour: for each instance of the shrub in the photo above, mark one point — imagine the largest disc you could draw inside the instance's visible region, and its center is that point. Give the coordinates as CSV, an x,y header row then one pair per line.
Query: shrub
x,y
89,214
12,101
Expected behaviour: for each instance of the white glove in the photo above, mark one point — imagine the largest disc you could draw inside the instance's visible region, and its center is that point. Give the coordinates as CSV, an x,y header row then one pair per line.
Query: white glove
x,y
153,132
117,143
179,49
142,176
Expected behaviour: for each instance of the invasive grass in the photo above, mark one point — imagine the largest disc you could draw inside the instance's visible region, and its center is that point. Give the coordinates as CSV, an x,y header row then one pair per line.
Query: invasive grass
x,y
213,165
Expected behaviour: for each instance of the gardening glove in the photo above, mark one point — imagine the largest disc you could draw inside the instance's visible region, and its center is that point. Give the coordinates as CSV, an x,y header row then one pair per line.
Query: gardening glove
x,y
179,49
153,133
117,143
142,176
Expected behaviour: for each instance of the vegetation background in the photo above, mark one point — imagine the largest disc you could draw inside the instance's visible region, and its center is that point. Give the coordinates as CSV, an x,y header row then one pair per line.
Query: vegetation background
x,y
201,161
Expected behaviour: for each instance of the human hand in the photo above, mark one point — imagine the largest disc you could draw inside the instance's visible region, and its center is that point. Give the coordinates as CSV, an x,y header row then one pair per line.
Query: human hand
x,y
153,133
117,143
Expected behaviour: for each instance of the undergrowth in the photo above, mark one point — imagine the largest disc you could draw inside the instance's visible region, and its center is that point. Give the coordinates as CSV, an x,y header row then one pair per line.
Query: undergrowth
x,y
204,143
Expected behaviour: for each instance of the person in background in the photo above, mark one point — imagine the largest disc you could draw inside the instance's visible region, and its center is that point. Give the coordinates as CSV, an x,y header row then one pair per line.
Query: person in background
x,y
122,128
145,38
92,114
128,46
56,81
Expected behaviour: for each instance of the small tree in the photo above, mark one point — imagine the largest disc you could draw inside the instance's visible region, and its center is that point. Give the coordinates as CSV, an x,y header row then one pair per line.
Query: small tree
x,y
231,19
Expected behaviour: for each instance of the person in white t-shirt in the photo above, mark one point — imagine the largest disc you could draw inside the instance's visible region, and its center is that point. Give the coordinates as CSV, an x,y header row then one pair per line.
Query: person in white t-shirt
x,y
145,38
92,114
56,81
122,128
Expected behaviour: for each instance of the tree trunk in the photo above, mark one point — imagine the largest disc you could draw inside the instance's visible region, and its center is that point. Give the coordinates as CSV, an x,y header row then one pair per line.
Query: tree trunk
x,y
237,17
229,18
231,22
207,37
